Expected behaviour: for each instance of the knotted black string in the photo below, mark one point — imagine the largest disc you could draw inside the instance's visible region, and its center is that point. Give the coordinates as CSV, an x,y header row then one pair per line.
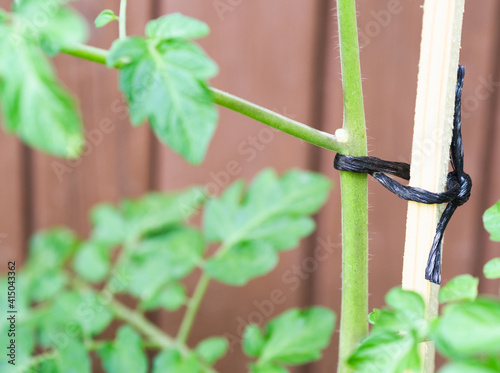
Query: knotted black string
x,y
458,183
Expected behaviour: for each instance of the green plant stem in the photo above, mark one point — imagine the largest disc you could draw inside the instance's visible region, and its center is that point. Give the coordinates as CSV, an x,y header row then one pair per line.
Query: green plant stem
x,y
122,21
192,309
229,101
354,309
140,323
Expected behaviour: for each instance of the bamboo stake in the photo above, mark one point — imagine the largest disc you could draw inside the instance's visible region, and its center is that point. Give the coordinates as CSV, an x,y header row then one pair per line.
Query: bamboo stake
x,y
439,50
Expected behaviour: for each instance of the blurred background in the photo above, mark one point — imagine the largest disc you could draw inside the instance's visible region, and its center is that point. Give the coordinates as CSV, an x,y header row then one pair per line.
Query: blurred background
x,y
281,54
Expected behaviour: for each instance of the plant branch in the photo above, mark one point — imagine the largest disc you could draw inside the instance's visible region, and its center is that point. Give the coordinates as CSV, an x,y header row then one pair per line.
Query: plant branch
x,y
192,309
353,323
122,21
229,101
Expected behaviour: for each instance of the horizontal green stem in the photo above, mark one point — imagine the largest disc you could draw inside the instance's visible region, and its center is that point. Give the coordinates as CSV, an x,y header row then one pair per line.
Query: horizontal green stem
x,y
263,115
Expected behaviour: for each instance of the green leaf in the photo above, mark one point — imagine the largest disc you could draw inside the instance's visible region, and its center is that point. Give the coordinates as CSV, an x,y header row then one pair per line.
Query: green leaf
x,y
463,287
212,349
47,285
172,297
156,212
105,17
469,367
468,329
92,261
109,225
294,337
273,209
253,340
52,26
73,358
392,345
172,361
374,315
176,26
164,258
50,249
491,269
166,83
125,354
386,353
267,368
491,220
241,263
34,105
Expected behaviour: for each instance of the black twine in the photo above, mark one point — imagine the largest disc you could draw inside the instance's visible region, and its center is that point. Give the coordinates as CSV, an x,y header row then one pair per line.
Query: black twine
x,y
458,183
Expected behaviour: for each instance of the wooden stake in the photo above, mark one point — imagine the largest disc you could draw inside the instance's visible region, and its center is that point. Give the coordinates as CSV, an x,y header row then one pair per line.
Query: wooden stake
x,y
437,76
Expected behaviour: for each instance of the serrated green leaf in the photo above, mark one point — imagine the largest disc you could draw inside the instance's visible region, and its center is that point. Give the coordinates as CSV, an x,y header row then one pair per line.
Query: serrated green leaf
x,y
155,212
463,287
272,210
172,361
125,354
105,17
491,221
73,358
165,258
267,368
211,349
491,269
166,83
34,105
172,297
253,341
92,262
176,26
295,337
392,345
242,262
468,329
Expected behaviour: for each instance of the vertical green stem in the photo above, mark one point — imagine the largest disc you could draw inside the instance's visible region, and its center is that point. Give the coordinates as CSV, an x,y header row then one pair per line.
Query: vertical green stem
x,y
353,323
122,22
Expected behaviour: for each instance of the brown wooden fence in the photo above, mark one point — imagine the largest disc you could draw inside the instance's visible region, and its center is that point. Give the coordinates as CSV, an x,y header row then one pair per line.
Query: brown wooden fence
x,y
281,54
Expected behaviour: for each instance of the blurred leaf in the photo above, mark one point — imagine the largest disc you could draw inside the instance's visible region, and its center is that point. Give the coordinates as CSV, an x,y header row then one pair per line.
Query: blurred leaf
x,y
125,354
164,79
157,211
34,104
392,345
242,262
267,368
212,349
108,225
105,17
273,210
92,261
468,329
491,269
463,287
172,297
294,337
165,258
176,26
171,361
52,26
253,341
73,358
374,315
470,367
50,249
47,285
491,220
